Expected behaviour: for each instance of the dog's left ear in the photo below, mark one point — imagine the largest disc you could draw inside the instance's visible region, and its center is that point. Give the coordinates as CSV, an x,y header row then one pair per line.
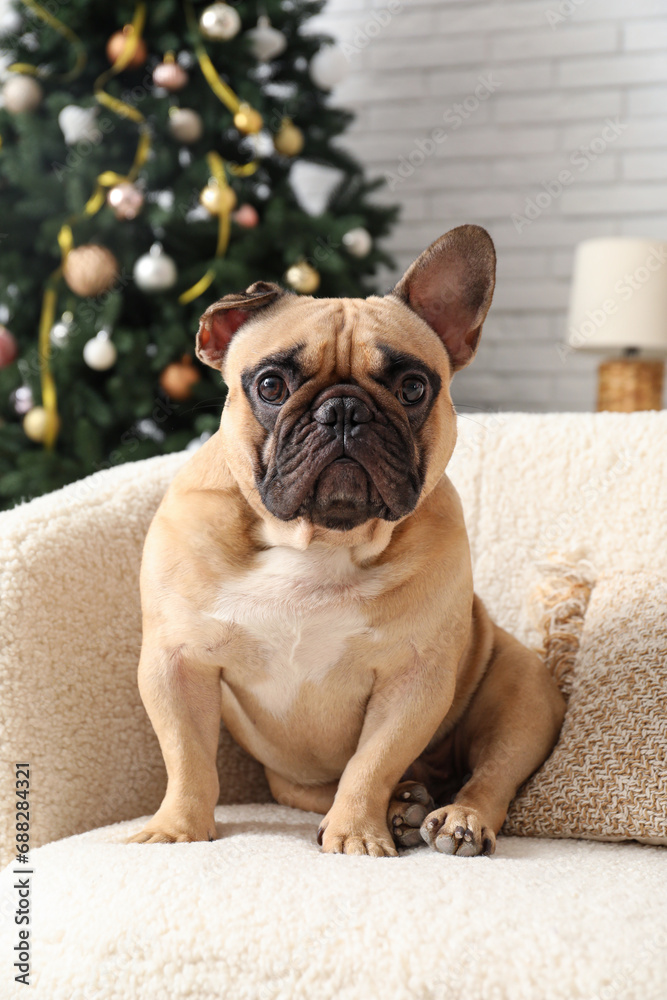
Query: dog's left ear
x,y
221,320
451,286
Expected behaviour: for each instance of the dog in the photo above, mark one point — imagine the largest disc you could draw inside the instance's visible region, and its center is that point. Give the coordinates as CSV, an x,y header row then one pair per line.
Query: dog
x,y
307,577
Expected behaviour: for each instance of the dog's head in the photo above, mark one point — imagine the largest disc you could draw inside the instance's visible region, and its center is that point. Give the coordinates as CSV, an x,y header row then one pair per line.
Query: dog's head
x,y
339,410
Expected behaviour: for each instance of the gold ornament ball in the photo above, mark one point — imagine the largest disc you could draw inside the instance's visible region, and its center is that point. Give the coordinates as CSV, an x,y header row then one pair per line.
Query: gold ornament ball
x,y
36,422
247,120
22,94
303,278
219,22
90,270
185,125
178,378
170,76
217,199
116,45
289,140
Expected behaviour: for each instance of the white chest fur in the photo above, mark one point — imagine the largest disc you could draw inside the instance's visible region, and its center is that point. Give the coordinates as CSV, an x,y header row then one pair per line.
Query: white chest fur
x,y
300,609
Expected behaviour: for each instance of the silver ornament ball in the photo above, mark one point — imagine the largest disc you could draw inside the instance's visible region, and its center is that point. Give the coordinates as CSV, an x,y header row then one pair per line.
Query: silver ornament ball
x,y
99,353
358,242
155,271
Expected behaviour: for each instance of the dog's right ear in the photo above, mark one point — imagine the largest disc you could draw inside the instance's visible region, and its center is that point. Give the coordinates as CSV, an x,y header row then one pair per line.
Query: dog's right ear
x,y
221,320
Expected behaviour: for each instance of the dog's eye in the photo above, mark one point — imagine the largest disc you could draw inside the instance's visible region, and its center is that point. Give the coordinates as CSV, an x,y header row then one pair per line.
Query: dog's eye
x,y
272,389
411,391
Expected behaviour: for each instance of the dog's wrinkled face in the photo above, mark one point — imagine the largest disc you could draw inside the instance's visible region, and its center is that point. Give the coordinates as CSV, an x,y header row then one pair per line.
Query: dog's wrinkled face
x,y
338,410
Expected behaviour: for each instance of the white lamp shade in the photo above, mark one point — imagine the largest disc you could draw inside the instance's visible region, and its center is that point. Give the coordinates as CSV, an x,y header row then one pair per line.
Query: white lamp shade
x,y
619,297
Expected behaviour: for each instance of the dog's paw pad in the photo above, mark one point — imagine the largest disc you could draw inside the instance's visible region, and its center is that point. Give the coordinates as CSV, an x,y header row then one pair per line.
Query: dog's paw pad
x,y
458,830
408,808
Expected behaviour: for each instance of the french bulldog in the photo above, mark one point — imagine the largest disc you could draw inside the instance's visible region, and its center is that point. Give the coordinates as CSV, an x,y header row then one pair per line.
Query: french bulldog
x,y
307,577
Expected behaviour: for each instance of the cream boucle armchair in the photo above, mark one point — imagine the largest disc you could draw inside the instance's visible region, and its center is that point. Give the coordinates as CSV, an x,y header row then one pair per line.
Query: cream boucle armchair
x,y
261,913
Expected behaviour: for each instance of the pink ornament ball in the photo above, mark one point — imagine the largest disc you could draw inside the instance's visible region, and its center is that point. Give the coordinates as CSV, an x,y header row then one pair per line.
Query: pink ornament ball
x,y
246,216
8,347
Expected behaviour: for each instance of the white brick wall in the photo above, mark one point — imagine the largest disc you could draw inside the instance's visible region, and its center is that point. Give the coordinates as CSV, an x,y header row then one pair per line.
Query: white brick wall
x,y
560,77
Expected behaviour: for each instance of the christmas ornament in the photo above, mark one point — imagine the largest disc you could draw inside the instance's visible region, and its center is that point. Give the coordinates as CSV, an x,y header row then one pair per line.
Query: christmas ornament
x,y
100,353
8,347
313,185
358,242
90,270
289,140
147,428
246,216
79,123
247,120
219,22
185,125
169,75
217,199
126,200
328,67
155,271
10,22
266,42
303,278
21,400
59,334
22,94
35,423
178,378
118,41
256,146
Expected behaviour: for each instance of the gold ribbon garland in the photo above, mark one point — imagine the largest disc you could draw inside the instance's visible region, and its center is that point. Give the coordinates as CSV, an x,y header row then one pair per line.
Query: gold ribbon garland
x,y
96,201
62,29
217,167
222,91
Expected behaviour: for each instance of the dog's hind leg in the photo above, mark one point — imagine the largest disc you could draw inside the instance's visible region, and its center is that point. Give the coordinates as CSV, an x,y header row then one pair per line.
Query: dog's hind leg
x,y
507,731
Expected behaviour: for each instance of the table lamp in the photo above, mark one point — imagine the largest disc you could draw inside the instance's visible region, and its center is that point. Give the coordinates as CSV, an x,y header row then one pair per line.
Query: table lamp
x,y
618,307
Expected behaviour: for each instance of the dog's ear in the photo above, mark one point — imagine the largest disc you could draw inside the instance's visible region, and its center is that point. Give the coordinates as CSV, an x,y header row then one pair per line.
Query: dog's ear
x,y
450,286
221,320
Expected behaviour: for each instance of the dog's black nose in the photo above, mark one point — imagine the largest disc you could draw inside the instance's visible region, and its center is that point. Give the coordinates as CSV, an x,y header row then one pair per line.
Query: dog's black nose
x,y
343,410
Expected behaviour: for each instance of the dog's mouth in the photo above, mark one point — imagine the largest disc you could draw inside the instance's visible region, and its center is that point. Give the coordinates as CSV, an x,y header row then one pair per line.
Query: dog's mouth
x,y
344,496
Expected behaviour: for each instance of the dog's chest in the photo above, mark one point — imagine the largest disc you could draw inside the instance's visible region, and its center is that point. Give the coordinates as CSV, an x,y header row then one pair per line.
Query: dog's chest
x,y
297,612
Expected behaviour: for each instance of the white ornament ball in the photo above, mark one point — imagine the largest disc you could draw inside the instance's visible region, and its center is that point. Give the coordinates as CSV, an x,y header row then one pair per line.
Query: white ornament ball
x,y
155,271
328,67
78,124
358,242
10,22
219,22
21,399
100,353
59,334
22,93
266,42
186,125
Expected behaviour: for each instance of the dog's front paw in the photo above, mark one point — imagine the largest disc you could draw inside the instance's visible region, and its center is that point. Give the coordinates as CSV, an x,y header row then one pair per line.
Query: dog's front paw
x,y
172,828
409,805
458,830
339,834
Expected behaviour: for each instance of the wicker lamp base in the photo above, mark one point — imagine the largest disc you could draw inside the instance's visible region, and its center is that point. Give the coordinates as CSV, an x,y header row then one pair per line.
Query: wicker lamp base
x,y
627,385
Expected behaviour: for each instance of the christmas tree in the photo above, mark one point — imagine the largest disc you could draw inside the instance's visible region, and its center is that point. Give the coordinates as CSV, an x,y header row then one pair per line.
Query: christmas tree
x,y
149,165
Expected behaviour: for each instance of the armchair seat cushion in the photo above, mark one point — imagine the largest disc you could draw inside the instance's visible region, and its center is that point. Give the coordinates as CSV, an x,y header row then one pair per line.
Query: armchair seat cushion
x,y
262,914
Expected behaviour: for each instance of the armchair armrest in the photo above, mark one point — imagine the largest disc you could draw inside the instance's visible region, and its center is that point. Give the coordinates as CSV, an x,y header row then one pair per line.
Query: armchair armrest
x,y
70,635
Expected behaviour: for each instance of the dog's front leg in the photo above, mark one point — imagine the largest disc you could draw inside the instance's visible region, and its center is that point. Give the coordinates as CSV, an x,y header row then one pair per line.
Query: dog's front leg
x,y
183,700
402,715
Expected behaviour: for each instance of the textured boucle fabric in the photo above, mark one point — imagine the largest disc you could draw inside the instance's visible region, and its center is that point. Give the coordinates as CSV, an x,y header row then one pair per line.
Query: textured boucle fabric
x,y
606,777
261,914
69,597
